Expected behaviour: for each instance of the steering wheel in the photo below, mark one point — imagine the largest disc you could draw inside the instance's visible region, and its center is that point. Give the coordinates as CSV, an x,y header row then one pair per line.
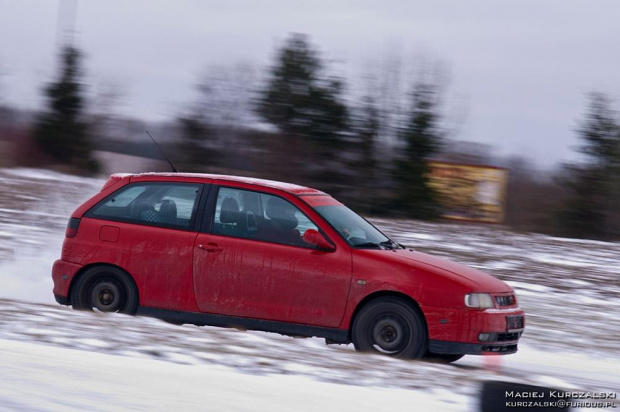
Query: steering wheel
x,y
346,233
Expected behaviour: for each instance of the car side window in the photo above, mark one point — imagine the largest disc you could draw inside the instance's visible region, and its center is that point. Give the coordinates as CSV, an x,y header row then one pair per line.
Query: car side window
x,y
254,215
170,205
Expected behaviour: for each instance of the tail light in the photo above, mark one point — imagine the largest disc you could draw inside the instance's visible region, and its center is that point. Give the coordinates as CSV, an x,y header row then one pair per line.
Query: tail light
x,y
72,227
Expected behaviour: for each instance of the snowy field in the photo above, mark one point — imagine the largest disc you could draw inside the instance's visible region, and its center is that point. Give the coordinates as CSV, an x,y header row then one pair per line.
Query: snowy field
x,y
56,359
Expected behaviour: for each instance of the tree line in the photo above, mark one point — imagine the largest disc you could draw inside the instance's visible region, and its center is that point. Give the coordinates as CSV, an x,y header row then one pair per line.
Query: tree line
x,y
372,151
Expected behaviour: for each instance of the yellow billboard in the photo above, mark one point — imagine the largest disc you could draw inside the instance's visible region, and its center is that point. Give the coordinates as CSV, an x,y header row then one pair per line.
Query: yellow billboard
x,y
468,192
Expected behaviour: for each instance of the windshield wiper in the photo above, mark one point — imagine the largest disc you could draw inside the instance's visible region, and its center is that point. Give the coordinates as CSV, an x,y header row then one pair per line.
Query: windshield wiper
x,y
390,244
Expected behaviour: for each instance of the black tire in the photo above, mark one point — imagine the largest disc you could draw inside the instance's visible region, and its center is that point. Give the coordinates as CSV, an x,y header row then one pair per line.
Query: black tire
x,y
442,357
392,326
105,289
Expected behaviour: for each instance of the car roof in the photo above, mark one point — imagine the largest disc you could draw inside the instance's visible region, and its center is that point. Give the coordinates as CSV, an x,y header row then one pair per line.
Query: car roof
x,y
215,178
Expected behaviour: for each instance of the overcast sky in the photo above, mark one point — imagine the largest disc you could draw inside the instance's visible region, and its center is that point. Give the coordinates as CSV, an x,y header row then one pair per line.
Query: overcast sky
x,y
521,68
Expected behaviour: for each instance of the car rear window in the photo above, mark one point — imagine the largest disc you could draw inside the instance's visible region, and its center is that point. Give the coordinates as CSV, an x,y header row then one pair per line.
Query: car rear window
x,y
155,204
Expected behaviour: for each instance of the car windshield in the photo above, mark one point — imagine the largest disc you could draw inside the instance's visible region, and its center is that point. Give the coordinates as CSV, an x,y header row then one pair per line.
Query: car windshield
x,y
357,231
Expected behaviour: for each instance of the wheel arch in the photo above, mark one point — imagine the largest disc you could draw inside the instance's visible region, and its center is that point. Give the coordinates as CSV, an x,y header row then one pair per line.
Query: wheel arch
x,y
84,269
386,293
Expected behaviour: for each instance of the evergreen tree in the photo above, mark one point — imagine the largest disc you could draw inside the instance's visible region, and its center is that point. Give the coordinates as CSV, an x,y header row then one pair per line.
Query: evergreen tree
x,y
61,131
593,208
421,138
307,107
298,100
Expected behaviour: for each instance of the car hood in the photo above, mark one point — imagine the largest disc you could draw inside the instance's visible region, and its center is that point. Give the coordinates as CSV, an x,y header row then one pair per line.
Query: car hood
x,y
475,279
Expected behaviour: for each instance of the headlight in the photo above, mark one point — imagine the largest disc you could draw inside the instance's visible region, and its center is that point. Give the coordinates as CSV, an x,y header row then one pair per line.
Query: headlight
x,y
479,300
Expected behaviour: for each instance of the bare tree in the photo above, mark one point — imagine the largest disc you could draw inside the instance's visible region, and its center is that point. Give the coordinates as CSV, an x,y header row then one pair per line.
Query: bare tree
x,y
225,95
217,119
388,81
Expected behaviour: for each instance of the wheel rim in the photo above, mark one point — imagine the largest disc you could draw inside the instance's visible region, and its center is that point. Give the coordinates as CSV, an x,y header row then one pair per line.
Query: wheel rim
x,y
107,295
390,334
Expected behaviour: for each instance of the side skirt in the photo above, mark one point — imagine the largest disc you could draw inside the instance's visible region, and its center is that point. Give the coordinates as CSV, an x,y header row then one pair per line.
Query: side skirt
x,y
283,328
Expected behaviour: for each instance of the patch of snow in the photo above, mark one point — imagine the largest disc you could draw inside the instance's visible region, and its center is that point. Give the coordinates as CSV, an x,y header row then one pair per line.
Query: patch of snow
x,y
96,343
421,236
528,286
581,241
28,276
459,247
500,265
44,174
181,358
579,282
587,300
556,260
68,379
553,382
30,212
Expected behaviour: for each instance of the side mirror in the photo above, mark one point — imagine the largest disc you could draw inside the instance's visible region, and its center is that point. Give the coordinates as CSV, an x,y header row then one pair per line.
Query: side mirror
x,y
314,238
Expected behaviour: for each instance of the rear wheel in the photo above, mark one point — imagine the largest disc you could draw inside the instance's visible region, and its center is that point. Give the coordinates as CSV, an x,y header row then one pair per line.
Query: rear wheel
x,y
391,326
105,289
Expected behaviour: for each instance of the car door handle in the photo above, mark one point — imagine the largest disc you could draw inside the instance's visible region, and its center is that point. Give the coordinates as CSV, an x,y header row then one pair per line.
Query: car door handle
x,y
210,247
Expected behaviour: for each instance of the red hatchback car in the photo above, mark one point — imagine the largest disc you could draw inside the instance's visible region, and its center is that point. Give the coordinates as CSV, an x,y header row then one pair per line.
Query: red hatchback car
x,y
264,255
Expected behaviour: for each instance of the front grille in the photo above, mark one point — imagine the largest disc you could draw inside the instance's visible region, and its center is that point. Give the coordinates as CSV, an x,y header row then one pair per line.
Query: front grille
x,y
500,349
507,337
514,322
503,301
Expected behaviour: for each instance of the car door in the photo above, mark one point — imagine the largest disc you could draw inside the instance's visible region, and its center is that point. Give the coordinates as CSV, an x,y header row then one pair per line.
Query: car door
x,y
253,263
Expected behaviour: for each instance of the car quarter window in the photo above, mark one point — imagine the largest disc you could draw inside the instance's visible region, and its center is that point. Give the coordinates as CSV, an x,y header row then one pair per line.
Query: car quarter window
x,y
158,204
255,215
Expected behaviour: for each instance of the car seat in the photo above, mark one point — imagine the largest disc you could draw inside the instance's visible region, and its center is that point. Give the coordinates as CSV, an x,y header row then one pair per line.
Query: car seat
x,y
168,211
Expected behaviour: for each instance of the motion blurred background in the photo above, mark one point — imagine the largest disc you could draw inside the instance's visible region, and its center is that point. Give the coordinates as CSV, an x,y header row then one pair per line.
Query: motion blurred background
x,y
479,111
355,98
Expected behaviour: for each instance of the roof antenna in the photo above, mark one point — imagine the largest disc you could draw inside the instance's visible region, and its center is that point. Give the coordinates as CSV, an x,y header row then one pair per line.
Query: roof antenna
x,y
174,169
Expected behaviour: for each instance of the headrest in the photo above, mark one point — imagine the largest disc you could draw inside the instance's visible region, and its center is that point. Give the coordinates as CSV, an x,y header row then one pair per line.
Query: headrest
x,y
168,209
277,208
281,212
137,207
229,213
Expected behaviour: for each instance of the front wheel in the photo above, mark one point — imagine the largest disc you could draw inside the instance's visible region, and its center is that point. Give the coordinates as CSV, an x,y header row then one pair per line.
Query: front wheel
x,y
105,289
391,326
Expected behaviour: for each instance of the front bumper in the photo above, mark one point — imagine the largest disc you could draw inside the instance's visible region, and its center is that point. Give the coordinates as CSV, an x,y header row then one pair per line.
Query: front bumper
x,y
474,332
63,300
444,347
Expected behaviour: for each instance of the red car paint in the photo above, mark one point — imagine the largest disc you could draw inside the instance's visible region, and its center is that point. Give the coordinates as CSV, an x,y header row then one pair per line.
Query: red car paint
x,y
198,271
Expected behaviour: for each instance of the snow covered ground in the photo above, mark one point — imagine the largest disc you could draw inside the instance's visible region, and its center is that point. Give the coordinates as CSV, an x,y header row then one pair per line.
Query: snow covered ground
x,y
37,378
54,358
